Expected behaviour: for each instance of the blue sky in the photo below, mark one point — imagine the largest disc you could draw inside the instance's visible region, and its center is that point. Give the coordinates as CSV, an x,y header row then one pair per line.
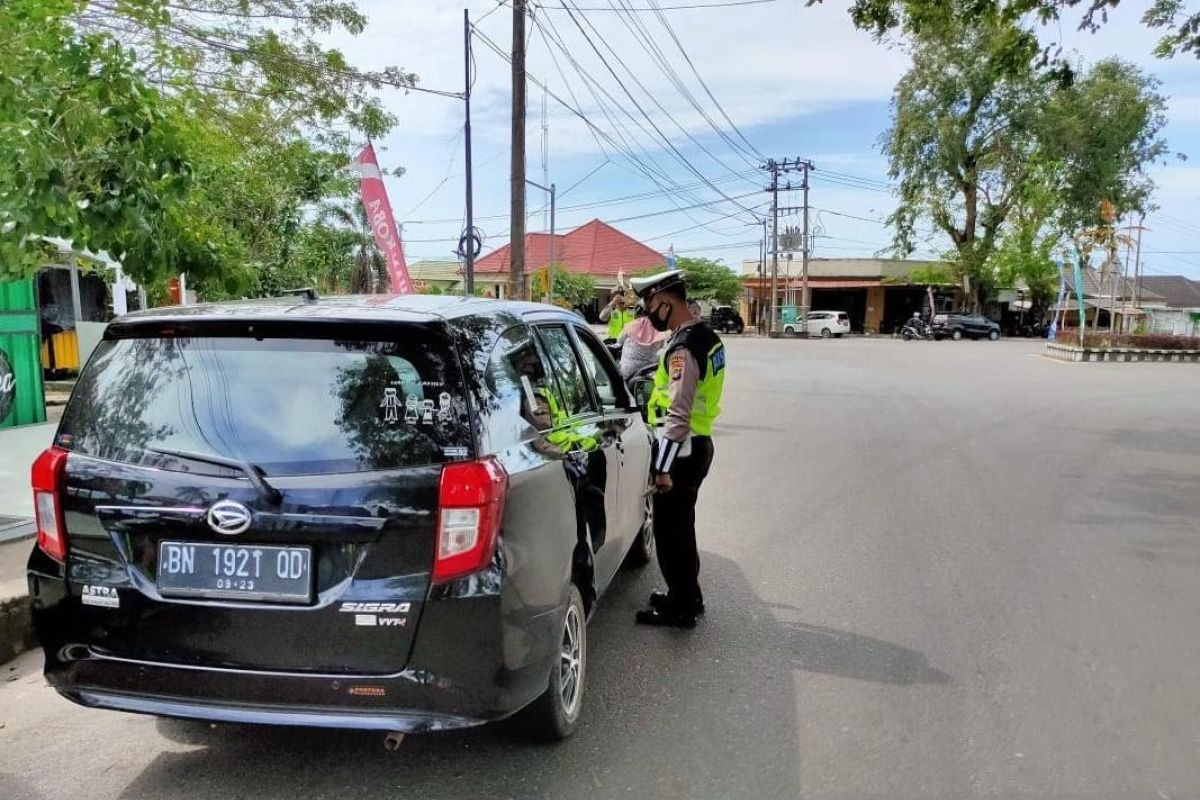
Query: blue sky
x,y
797,81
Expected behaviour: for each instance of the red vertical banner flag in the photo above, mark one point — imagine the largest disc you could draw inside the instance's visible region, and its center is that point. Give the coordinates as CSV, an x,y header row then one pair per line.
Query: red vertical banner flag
x,y
383,224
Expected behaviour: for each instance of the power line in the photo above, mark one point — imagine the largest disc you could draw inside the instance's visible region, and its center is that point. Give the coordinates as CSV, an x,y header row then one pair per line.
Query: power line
x,y
650,45
641,110
753,151
653,171
724,4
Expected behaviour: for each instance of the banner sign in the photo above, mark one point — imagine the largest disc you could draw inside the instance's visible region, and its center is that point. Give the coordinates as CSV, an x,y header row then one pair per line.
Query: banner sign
x,y
383,224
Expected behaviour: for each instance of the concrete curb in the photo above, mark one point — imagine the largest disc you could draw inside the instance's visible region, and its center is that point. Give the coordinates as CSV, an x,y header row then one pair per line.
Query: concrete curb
x,y
1121,354
16,628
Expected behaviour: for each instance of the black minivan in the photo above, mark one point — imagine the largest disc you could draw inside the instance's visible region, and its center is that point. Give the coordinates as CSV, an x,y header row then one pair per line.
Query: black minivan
x,y
382,513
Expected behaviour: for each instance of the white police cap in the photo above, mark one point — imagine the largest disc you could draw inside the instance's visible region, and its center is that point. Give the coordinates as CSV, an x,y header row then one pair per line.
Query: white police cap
x,y
644,287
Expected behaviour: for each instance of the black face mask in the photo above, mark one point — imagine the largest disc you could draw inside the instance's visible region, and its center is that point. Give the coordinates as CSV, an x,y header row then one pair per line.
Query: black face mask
x,y
657,322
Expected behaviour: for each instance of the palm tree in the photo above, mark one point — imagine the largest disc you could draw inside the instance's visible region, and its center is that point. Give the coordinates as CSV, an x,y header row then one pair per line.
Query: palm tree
x,y
369,275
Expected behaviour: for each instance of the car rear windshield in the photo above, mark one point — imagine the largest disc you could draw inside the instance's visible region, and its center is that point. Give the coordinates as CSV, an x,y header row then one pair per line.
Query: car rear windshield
x,y
288,406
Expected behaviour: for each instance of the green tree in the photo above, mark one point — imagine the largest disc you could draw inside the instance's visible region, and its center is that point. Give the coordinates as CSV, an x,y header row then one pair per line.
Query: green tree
x,y
369,274
961,140
571,289
709,279
988,143
89,150
177,136
881,17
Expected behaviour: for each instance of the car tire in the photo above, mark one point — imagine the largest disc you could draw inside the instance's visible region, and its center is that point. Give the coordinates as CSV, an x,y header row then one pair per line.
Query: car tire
x,y
993,335
789,331
643,546
738,330
956,335
826,333
554,716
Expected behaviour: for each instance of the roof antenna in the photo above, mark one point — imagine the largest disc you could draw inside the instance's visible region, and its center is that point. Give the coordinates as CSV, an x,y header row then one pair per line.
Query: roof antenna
x,y
308,292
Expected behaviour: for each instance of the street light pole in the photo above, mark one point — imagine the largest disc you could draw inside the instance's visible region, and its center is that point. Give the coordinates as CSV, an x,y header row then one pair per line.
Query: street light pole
x,y
550,267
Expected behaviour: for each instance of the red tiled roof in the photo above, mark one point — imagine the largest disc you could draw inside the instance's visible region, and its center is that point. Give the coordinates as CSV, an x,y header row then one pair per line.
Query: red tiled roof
x,y
596,248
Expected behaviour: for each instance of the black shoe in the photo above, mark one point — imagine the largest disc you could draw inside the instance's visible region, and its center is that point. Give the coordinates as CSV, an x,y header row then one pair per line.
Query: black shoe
x,y
665,619
661,601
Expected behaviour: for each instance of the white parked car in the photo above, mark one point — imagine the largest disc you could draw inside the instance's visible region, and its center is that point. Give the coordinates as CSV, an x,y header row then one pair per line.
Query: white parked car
x,y
822,323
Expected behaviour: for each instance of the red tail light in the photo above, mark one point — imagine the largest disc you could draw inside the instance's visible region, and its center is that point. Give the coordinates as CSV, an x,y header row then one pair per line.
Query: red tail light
x,y
469,509
47,504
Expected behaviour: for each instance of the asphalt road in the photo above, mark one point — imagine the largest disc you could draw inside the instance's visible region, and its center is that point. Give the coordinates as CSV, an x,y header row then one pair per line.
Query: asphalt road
x,y
949,570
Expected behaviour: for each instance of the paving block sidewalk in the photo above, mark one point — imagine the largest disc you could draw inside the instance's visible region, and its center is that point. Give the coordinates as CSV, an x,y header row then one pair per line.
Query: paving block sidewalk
x,y
18,449
15,632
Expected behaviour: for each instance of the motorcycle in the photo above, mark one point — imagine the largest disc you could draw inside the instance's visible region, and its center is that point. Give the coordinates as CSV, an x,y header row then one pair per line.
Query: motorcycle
x,y
916,330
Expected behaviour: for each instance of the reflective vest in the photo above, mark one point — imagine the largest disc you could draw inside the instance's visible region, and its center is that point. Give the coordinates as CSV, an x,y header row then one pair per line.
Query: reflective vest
x,y
617,322
708,351
564,436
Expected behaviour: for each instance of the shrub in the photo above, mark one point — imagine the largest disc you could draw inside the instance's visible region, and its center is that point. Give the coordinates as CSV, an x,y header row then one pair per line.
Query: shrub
x,y
1146,341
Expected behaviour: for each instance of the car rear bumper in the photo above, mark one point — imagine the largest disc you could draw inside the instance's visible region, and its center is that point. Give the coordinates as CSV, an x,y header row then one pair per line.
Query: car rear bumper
x,y
469,665
395,720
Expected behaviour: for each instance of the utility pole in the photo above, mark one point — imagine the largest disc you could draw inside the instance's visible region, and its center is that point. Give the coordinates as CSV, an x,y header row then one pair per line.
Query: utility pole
x,y
550,267
1137,263
467,243
516,250
776,168
804,299
773,329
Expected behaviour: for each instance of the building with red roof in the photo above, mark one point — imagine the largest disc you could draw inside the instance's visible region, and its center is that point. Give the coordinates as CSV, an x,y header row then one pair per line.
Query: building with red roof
x,y
596,249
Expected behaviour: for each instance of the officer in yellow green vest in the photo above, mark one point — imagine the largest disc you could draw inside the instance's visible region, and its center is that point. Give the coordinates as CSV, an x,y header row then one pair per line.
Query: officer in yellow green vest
x,y
617,314
685,401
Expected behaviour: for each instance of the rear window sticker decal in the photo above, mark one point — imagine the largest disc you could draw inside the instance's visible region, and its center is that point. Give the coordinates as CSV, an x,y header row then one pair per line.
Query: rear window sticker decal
x,y
444,414
411,404
390,405
427,412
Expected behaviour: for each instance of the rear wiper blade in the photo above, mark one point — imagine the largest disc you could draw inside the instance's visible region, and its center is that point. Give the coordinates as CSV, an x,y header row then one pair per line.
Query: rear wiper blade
x,y
254,473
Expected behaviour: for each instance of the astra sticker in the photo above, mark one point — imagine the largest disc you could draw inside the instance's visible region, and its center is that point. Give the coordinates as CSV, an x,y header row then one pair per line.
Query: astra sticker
x,y
101,596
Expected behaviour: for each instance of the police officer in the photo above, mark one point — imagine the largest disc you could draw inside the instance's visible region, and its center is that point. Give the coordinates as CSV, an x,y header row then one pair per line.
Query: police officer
x,y
685,401
617,314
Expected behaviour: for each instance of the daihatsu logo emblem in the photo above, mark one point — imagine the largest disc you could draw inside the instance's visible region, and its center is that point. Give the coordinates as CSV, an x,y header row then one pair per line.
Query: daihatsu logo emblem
x,y
228,517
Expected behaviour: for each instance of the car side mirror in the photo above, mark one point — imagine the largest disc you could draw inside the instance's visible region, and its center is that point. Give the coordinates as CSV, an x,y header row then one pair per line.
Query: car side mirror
x,y
639,392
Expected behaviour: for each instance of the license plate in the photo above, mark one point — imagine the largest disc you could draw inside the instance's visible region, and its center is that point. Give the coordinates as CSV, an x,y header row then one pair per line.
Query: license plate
x,y
235,572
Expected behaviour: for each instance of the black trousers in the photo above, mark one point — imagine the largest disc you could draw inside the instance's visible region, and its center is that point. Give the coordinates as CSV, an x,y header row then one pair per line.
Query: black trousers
x,y
675,524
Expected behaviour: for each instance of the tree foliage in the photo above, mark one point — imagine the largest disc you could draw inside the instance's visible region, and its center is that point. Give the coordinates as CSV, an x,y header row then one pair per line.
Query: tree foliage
x,y
710,280
181,137
571,289
989,144
1181,24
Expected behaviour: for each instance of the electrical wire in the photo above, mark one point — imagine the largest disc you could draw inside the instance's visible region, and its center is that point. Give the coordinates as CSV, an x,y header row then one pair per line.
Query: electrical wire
x,y
653,172
753,151
671,145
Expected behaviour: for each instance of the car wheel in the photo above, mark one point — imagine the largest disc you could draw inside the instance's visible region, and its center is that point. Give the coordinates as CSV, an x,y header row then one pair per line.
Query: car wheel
x,y
956,335
738,330
643,547
555,715
993,335
826,333
789,331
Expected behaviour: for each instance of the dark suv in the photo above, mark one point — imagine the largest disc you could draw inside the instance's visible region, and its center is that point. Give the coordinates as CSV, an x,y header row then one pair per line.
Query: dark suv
x,y
378,513
726,319
958,325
